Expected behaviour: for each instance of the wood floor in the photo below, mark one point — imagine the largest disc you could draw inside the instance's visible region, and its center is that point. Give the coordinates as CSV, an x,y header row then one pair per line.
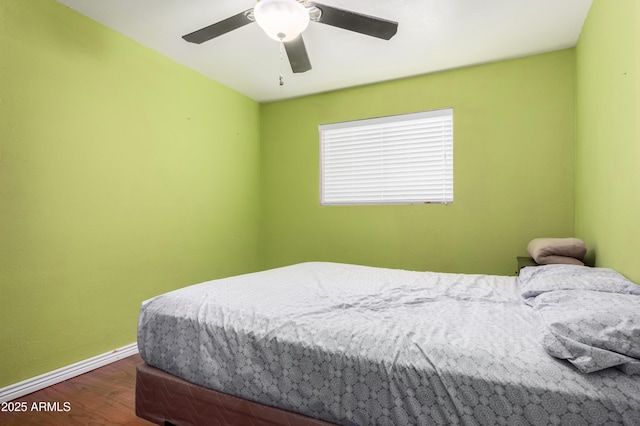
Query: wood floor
x,y
104,396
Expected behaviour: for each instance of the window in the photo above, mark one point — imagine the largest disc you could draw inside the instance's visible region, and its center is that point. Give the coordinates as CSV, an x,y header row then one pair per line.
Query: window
x,y
402,159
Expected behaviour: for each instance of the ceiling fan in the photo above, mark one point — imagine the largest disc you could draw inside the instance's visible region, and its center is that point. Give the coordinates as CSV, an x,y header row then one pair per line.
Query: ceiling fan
x,y
284,21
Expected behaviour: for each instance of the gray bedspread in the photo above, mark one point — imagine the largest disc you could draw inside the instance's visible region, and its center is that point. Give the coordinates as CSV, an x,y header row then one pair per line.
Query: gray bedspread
x,y
372,346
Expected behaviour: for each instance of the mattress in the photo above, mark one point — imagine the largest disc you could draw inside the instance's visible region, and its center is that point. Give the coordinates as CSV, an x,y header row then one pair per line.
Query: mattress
x,y
357,345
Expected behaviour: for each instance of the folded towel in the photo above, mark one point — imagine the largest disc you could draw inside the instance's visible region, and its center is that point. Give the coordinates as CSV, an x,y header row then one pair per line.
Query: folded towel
x,y
566,260
557,250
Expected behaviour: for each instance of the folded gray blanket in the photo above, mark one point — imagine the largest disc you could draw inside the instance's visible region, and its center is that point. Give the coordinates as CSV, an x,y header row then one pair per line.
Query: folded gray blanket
x,y
557,250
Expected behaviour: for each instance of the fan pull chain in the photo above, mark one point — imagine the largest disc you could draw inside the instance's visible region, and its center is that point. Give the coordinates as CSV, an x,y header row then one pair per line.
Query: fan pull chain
x,y
281,60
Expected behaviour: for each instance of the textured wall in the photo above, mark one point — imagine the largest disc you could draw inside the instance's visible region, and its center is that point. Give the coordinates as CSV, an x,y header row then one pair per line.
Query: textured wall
x,y
122,175
513,171
608,135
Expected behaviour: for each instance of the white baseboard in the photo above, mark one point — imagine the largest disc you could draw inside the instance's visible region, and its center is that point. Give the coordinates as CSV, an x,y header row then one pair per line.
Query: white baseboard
x,y
42,381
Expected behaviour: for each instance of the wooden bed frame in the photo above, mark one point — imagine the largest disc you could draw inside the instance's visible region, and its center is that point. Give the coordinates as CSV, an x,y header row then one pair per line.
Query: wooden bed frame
x,y
167,400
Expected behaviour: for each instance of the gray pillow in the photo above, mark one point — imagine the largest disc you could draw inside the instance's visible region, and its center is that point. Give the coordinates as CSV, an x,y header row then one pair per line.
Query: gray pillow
x,y
537,280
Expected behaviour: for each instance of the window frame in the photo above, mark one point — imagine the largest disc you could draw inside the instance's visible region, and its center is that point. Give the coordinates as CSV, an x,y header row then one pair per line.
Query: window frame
x,y
402,122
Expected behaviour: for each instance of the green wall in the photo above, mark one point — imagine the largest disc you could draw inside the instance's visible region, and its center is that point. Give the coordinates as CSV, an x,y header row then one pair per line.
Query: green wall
x,y
122,175
608,136
513,171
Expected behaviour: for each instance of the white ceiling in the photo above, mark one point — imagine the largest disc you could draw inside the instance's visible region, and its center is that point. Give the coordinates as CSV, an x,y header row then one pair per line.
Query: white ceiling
x,y
433,35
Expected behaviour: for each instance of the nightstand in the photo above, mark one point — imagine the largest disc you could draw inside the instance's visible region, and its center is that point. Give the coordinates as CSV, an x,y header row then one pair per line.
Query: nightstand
x,y
524,261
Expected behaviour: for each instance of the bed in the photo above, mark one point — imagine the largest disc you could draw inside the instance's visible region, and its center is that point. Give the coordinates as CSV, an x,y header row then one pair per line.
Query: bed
x,y
327,343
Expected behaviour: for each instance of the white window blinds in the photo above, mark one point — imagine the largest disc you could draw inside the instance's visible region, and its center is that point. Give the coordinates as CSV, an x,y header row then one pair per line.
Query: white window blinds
x,y
402,159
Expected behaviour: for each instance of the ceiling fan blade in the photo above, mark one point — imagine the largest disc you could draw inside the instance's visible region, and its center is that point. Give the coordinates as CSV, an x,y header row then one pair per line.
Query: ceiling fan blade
x,y
358,22
297,53
219,28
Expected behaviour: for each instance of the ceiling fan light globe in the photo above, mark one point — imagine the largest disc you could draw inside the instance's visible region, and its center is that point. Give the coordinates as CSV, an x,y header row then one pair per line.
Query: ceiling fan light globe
x,y
282,20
